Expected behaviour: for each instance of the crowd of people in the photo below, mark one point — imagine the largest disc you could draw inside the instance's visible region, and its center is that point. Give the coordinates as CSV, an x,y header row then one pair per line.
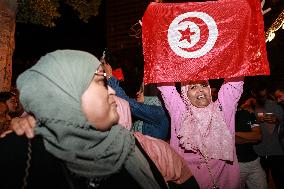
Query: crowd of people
x,y
70,124
76,141
192,146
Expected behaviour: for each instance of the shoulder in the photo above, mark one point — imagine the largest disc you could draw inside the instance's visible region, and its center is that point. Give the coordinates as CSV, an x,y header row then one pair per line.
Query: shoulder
x,y
12,143
272,104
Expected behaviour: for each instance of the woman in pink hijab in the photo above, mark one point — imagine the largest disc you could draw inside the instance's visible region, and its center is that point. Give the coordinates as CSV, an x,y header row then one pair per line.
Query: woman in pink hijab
x,y
202,131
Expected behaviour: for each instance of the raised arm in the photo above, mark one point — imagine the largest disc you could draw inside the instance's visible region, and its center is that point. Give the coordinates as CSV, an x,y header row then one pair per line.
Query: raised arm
x,y
154,115
173,101
228,97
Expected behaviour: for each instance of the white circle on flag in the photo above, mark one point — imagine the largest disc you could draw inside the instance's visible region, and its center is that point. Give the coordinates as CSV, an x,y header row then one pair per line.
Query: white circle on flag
x,y
178,45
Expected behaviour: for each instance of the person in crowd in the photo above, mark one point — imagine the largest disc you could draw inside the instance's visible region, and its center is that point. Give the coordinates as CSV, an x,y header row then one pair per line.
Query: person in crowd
x,y
153,118
202,131
7,106
11,101
247,134
279,94
20,111
76,110
270,116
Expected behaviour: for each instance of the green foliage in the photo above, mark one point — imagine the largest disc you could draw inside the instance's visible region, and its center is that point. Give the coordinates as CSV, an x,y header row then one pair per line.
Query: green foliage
x,y
86,8
45,12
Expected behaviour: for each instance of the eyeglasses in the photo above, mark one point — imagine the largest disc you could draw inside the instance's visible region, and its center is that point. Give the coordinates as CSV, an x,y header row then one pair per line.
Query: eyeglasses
x,y
101,73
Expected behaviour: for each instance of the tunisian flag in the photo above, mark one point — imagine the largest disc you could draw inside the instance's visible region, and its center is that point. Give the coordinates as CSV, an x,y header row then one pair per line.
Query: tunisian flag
x,y
203,40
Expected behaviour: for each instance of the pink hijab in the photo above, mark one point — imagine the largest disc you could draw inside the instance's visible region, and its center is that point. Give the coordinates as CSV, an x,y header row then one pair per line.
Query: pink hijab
x,y
204,130
123,110
170,164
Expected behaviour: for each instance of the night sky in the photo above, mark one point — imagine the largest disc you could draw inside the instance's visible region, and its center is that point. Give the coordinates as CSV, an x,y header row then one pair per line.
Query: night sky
x,y
275,48
34,41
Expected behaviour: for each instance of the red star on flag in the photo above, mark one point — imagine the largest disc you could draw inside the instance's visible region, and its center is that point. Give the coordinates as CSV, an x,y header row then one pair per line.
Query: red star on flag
x,y
186,34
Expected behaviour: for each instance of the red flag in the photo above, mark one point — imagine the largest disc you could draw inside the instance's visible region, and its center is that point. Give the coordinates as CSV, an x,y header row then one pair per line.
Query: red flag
x,y
203,40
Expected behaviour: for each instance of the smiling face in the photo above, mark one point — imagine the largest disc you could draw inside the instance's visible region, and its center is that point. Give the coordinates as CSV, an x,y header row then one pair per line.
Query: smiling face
x,y
199,93
98,103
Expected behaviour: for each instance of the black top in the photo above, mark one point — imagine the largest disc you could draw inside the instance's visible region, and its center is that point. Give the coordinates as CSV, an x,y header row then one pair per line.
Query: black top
x,y
244,123
48,172
45,170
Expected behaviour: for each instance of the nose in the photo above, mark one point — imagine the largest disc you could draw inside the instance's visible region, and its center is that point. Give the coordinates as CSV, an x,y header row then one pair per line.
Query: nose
x,y
200,88
111,91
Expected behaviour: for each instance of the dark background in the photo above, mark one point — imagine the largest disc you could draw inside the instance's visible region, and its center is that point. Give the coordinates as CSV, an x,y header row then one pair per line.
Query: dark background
x,y
33,41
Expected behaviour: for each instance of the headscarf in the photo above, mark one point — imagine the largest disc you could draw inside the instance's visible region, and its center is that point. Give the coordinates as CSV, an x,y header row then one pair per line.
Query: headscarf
x,y
52,91
204,130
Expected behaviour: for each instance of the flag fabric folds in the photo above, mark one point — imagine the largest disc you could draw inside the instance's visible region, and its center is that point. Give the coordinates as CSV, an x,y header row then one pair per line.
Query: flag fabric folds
x,y
203,40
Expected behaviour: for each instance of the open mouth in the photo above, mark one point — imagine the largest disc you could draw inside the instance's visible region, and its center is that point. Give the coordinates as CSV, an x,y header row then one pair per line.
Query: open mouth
x,y
199,97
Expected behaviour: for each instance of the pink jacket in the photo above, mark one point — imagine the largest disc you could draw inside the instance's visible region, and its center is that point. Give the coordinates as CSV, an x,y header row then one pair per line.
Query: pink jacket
x,y
226,175
171,165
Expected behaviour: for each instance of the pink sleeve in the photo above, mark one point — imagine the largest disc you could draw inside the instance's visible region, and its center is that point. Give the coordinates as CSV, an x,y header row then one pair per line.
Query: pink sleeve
x,y
173,103
228,97
170,164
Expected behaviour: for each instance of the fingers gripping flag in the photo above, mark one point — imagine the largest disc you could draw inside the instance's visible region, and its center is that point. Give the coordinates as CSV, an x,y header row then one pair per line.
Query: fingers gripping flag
x,y
203,40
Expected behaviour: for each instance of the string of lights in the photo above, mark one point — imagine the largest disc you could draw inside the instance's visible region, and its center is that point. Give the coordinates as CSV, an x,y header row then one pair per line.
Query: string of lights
x,y
270,34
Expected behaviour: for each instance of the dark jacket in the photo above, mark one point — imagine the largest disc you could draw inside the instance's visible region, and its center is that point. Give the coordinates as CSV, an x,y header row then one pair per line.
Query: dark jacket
x,y
48,172
45,170
155,120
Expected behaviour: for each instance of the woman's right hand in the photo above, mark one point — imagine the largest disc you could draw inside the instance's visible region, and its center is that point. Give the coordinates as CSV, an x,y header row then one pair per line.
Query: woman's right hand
x,y
108,70
24,125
